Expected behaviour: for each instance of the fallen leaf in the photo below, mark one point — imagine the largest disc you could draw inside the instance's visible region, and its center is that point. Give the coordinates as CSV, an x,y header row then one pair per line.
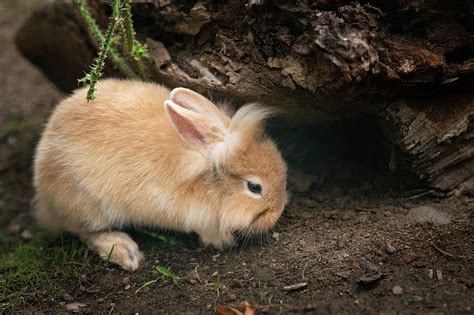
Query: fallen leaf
x,y
397,290
249,309
409,257
223,309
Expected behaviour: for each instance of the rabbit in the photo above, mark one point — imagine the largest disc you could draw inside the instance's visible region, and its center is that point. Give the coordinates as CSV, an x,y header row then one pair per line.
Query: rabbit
x,y
142,155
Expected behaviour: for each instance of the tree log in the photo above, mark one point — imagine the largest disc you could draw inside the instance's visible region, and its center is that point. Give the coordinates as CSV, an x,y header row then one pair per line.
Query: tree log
x,y
412,62
438,134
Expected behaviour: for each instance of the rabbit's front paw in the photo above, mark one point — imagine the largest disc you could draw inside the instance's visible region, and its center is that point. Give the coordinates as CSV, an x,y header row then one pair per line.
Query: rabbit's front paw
x,y
117,247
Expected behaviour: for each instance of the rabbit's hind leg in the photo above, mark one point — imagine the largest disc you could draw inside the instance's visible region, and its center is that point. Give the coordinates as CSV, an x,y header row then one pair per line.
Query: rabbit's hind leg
x,y
45,215
117,247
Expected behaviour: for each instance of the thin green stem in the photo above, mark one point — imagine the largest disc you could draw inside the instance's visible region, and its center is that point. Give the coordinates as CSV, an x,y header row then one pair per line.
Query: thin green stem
x,y
128,26
95,31
89,20
99,64
134,48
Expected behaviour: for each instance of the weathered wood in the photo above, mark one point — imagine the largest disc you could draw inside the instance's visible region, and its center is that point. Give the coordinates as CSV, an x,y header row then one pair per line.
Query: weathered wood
x,y
438,134
316,60
326,60
53,39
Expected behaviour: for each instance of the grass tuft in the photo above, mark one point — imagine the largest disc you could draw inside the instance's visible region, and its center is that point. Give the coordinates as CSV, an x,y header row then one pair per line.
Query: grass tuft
x,y
169,275
32,269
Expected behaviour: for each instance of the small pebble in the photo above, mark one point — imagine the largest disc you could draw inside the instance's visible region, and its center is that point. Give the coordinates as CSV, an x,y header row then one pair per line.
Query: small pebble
x,y
430,274
390,248
127,287
68,297
397,290
26,234
276,236
126,281
439,275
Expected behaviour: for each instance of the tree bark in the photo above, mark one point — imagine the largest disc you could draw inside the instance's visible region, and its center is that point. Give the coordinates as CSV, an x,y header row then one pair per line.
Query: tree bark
x,y
411,62
438,134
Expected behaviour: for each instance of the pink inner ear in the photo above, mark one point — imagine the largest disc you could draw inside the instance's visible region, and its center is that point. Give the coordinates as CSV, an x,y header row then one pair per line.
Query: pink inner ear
x,y
179,97
186,129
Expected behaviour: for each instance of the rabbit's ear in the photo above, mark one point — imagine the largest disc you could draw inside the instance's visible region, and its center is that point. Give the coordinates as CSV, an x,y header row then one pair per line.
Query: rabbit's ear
x,y
197,129
197,103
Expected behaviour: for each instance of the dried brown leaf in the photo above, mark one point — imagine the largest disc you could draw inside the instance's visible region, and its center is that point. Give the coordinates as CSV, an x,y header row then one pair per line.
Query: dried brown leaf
x,y
224,309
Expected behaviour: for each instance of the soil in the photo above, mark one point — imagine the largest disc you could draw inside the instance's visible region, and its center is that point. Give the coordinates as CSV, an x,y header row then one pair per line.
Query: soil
x,y
348,242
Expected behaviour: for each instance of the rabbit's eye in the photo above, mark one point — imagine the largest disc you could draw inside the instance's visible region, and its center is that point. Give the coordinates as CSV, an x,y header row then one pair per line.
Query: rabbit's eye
x,y
254,187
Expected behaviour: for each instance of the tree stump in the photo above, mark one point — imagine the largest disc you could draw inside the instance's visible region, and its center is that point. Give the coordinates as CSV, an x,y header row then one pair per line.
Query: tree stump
x,y
409,62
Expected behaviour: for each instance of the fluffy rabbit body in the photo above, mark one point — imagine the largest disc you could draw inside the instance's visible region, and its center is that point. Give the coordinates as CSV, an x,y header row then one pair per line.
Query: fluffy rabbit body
x,y
141,155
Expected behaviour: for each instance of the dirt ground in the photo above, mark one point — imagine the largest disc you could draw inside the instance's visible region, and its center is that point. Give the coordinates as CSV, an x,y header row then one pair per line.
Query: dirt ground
x,y
358,240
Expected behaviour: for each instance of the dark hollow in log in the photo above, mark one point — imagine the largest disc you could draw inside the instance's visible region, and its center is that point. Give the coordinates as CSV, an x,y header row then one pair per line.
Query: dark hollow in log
x,y
317,60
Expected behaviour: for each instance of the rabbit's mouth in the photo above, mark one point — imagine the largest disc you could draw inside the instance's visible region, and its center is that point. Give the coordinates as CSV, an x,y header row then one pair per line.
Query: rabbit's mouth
x,y
264,220
259,216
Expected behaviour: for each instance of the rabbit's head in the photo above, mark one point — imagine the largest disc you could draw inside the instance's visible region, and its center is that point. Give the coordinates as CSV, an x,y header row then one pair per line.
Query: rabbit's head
x,y
241,171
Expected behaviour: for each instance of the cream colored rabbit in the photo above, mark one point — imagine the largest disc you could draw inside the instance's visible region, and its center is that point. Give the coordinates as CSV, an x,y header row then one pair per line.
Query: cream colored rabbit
x,y
142,155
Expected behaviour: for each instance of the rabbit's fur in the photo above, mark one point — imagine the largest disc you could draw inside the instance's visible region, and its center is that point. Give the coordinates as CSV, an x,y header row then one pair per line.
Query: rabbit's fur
x,y
141,155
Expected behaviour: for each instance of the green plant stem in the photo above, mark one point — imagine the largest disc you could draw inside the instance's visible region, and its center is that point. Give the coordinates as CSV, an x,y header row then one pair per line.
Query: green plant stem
x,y
95,31
99,64
134,49
128,27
